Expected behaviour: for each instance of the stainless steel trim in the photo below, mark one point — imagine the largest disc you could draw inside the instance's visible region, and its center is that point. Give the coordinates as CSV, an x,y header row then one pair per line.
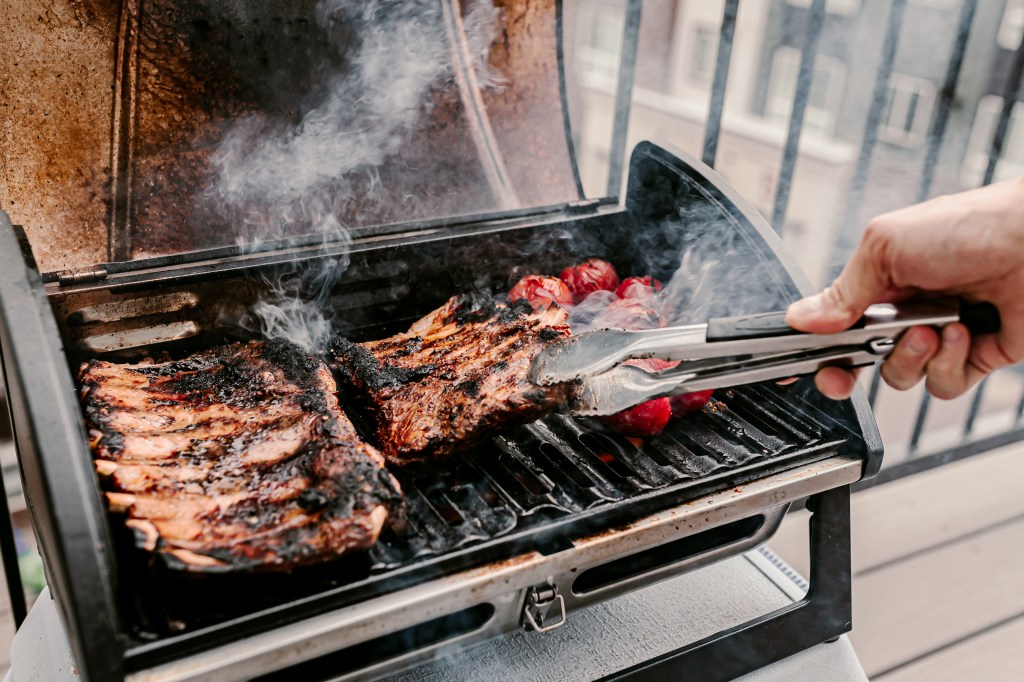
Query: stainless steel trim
x,y
502,584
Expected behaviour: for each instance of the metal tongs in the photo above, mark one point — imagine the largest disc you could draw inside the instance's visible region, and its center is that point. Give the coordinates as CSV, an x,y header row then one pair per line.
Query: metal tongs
x,y
734,350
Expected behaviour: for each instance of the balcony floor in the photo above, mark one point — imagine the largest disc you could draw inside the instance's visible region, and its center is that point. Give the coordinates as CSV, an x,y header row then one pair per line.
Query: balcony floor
x,y
938,571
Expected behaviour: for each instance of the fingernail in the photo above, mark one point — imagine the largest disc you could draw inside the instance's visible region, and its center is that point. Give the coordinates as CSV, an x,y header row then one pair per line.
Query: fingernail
x,y
806,308
916,344
952,334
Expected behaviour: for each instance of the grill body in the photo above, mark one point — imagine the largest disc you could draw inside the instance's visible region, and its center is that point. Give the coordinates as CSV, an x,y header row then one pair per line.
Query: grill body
x,y
535,517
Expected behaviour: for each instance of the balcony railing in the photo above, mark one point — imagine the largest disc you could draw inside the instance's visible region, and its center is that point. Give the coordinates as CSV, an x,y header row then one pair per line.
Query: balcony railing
x,y
971,440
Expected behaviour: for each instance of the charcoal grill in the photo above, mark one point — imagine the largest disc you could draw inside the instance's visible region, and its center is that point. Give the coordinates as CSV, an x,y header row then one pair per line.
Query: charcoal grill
x,y
518,533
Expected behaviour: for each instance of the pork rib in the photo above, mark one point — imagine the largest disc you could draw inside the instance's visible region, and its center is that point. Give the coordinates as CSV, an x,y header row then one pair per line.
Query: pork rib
x,y
235,458
456,377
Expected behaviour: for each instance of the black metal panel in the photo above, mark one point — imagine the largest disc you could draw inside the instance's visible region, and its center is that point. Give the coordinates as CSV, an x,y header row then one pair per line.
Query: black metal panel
x,y
826,612
59,483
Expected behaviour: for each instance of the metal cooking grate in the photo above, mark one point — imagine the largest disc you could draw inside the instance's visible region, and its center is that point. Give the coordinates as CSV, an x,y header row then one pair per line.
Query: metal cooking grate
x,y
561,466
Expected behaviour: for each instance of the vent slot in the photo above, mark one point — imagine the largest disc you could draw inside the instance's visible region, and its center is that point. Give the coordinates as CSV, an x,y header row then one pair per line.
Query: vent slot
x,y
674,552
400,643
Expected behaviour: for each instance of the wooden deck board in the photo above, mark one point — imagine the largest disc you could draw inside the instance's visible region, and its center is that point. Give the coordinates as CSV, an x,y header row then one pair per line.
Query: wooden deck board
x,y
993,656
907,516
937,558
934,599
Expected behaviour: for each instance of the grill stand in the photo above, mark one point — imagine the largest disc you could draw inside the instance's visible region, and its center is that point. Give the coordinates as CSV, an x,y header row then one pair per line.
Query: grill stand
x,y
825,613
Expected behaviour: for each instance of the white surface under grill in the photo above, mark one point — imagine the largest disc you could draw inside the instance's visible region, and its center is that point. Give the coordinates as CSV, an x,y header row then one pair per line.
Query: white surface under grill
x,y
607,637
596,641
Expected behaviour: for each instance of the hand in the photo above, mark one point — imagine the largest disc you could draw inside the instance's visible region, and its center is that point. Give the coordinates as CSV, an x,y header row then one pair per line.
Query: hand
x,y
970,245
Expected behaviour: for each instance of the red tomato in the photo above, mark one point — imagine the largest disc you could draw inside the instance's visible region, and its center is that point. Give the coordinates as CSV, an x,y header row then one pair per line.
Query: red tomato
x,y
689,402
540,291
590,276
645,419
638,287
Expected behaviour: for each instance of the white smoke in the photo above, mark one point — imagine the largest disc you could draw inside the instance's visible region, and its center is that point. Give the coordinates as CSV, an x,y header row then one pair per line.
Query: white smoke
x,y
276,180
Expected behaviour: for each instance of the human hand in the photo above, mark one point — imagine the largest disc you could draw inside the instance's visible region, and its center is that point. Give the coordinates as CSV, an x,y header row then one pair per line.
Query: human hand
x,y
969,244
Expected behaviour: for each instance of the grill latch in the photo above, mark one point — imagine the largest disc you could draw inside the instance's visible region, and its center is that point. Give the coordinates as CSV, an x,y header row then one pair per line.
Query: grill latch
x,y
538,607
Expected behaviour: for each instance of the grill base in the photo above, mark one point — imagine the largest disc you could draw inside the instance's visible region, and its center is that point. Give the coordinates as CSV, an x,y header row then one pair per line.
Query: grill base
x,y
500,588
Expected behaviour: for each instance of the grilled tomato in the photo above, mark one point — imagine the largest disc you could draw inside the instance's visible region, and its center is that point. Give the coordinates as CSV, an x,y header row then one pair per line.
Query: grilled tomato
x,y
540,291
590,276
689,402
638,287
645,419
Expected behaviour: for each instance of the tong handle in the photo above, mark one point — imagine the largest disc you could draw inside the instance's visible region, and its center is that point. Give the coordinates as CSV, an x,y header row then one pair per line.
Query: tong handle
x,y
979,318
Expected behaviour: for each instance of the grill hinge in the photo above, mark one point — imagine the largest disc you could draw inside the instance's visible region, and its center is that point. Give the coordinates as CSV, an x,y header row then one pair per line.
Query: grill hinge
x,y
81,276
538,606
584,206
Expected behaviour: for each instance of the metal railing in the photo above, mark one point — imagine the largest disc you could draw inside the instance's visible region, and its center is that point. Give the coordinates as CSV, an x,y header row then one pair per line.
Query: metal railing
x,y
916,460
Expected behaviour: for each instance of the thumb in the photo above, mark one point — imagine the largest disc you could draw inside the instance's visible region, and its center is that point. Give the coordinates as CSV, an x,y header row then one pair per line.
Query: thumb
x,y
865,280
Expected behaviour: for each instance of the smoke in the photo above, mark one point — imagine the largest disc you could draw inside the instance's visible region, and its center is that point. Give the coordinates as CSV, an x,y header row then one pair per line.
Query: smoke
x,y
277,179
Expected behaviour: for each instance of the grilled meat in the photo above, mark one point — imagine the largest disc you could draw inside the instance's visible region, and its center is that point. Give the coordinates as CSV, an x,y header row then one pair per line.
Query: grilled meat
x,y
456,377
235,458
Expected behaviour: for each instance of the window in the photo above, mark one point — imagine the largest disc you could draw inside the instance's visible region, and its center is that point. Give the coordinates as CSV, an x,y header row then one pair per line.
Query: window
x,y
703,54
847,8
824,96
599,39
1012,26
1011,162
907,110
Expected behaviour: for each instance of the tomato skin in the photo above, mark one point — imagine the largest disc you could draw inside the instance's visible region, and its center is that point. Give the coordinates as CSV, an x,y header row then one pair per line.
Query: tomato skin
x,y
641,421
638,287
589,276
540,291
687,403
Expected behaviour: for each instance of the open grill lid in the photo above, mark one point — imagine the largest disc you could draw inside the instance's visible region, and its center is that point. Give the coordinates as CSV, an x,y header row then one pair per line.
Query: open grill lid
x,y
228,122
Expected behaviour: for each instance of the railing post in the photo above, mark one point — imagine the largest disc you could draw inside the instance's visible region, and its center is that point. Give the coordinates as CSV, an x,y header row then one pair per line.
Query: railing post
x,y
713,126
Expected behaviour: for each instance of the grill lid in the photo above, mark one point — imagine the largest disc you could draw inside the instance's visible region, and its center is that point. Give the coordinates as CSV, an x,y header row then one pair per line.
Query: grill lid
x,y
248,123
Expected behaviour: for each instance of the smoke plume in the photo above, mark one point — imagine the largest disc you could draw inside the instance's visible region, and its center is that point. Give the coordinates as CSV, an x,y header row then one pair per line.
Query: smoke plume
x,y
277,179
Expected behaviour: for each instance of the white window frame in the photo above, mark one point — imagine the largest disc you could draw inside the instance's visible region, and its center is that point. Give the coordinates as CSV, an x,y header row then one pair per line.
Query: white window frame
x,y
901,87
984,127
694,75
846,8
591,60
778,106
1011,26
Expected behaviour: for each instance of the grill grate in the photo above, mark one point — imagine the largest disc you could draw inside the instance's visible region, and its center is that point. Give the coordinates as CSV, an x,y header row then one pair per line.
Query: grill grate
x,y
561,466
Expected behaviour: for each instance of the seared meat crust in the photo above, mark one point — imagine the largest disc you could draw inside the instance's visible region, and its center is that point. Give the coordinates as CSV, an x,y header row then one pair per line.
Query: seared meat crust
x,y
235,458
455,378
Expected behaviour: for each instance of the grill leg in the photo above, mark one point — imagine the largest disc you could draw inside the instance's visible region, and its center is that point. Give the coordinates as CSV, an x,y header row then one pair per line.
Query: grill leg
x,y
822,615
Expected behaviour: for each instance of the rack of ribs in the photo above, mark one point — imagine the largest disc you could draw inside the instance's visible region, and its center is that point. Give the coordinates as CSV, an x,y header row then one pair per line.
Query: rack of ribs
x,y
235,458
456,377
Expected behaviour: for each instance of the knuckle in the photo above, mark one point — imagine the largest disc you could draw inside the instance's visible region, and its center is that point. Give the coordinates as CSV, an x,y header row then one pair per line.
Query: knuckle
x,y
877,233
900,378
943,390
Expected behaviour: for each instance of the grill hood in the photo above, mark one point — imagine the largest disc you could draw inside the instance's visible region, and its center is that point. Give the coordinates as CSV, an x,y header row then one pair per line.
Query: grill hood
x,y
189,120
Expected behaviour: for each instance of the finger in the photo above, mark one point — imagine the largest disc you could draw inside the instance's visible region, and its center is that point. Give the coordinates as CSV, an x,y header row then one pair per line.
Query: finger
x,y
835,383
948,373
908,362
866,279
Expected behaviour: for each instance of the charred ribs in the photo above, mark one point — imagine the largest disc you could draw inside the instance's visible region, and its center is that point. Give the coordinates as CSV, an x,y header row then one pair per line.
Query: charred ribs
x,y
454,378
235,458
